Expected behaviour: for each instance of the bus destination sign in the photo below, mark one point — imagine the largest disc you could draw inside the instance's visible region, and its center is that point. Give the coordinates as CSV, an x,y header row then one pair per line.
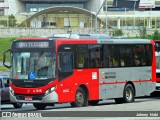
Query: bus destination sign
x,y
32,44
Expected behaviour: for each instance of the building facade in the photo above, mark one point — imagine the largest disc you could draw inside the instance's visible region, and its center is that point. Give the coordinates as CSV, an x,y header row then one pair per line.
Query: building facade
x,y
116,17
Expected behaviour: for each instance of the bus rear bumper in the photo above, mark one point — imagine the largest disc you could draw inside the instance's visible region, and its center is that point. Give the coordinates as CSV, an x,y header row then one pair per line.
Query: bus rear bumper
x,y
50,98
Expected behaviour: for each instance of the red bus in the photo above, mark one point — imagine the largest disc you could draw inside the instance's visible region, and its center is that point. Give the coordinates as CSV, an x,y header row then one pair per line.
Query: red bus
x,y
157,50
82,72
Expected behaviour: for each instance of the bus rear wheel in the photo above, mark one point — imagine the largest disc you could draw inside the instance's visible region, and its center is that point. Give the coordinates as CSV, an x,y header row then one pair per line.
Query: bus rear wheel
x,y
40,106
128,94
80,98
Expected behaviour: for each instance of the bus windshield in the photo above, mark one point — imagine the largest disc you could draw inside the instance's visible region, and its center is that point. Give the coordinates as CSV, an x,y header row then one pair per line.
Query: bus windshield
x,y
33,65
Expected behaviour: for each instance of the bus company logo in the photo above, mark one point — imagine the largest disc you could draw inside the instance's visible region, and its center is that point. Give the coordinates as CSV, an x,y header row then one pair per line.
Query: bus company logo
x,y
108,75
28,91
66,91
37,91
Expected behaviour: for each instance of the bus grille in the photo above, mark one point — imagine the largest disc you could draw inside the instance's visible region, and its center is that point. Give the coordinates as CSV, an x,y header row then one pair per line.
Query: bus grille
x,y
34,97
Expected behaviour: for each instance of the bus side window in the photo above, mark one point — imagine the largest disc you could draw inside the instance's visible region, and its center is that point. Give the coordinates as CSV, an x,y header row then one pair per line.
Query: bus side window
x,y
66,62
139,55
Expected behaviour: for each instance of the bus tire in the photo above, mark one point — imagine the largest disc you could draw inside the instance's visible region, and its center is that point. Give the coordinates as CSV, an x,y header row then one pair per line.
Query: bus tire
x,y
17,105
81,98
93,102
40,106
128,94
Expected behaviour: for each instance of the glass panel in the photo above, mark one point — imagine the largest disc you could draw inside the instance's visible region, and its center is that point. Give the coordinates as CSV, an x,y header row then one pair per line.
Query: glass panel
x,y
33,65
126,56
112,58
96,56
81,56
158,62
6,82
66,62
139,55
157,46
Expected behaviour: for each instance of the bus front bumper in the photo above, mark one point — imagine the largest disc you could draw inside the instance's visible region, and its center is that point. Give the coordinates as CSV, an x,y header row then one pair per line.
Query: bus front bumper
x,y
50,98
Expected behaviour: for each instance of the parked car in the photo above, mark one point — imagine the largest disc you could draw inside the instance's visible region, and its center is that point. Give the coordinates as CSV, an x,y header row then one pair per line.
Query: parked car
x,y
4,81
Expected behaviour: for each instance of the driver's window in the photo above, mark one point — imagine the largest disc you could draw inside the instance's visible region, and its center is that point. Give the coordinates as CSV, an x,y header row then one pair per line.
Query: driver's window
x,y
66,61
6,82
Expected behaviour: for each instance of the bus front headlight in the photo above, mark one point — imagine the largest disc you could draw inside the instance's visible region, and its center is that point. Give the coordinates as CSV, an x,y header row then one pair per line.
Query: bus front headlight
x,y
50,90
11,90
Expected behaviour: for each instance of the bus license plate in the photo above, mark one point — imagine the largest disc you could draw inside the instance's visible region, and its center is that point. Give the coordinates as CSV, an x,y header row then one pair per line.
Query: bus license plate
x,y
28,98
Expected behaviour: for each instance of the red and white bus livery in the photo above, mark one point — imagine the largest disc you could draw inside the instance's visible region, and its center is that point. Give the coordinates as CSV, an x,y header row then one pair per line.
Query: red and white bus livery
x,y
80,71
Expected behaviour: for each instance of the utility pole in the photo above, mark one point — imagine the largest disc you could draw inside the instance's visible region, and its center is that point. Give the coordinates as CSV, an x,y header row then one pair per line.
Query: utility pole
x,y
97,15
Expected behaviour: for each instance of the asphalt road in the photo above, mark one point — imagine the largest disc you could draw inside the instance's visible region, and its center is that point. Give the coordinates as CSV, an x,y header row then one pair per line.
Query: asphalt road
x,y
141,105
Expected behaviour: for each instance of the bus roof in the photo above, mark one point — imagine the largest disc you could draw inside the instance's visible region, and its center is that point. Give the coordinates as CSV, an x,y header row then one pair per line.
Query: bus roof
x,y
99,41
107,41
127,41
78,36
33,39
157,40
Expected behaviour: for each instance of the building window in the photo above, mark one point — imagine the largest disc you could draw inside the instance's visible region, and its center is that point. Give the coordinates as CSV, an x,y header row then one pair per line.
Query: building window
x,y
1,12
33,10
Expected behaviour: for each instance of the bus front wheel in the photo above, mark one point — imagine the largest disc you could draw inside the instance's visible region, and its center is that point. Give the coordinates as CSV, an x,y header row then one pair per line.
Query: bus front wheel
x,y
128,94
80,98
40,106
17,105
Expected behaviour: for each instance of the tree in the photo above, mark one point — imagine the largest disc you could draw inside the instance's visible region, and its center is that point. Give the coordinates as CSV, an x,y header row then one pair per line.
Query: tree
x,y
118,32
12,21
3,23
156,35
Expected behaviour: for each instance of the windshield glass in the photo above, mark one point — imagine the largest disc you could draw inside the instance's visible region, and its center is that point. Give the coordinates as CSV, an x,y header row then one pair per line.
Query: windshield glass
x,y
33,65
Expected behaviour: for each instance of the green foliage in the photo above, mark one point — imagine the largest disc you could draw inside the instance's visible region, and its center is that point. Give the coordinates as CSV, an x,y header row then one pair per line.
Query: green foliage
x,y
5,45
2,68
143,32
12,21
118,32
3,22
156,35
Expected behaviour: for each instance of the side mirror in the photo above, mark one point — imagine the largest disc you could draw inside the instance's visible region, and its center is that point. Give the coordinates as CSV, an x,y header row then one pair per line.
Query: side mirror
x,y
4,58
